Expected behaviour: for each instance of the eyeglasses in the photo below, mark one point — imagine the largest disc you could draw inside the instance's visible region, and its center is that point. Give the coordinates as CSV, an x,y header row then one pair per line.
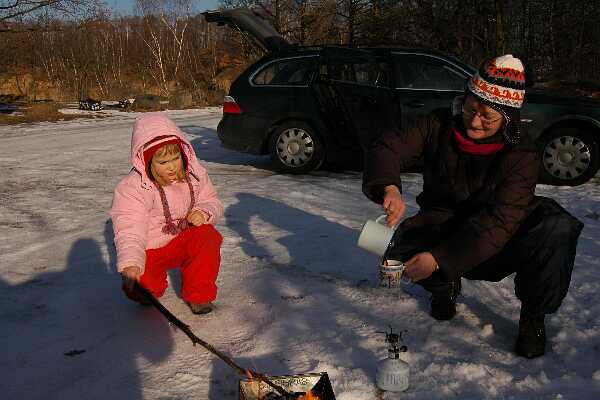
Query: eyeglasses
x,y
485,120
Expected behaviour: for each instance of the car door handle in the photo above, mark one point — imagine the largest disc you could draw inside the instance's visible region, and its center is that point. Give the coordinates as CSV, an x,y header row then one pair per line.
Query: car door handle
x,y
415,104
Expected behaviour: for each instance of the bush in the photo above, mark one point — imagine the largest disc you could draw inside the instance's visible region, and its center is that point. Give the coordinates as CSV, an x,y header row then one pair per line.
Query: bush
x,y
181,99
37,112
150,102
43,111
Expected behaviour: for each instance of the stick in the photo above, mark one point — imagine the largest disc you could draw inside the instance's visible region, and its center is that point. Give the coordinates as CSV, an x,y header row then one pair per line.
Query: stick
x,y
195,339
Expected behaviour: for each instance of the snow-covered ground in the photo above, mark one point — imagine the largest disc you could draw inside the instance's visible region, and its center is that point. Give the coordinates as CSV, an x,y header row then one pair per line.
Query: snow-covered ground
x,y
296,294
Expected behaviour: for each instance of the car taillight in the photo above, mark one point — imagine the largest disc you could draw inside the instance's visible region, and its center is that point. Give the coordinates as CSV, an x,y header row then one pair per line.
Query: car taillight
x,y
230,106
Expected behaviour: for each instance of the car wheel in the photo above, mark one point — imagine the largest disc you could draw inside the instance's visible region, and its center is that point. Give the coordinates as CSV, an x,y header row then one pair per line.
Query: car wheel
x,y
295,148
569,157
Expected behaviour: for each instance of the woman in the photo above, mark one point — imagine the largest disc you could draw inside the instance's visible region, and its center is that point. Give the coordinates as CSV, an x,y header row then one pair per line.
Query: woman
x,y
479,217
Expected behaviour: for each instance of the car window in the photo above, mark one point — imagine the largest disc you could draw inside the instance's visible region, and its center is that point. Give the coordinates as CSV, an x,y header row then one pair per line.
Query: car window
x,y
289,72
414,73
364,73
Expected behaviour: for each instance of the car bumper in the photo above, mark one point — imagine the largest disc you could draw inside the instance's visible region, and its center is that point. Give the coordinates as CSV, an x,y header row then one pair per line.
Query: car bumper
x,y
242,134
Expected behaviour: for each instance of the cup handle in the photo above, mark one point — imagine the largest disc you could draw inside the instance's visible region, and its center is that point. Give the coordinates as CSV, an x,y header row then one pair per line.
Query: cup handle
x,y
384,217
404,278
381,218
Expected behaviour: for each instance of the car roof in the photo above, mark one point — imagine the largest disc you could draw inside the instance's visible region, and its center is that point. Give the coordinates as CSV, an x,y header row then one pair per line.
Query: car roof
x,y
295,50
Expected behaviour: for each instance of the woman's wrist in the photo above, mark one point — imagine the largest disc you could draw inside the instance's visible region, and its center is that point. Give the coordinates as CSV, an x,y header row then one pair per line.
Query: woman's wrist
x,y
391,189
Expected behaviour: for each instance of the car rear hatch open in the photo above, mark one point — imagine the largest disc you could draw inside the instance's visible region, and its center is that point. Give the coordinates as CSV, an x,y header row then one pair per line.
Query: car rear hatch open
x,y
250,23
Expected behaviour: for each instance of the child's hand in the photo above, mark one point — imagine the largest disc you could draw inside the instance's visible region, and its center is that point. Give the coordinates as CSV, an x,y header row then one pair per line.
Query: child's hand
x,y
131,275
197,218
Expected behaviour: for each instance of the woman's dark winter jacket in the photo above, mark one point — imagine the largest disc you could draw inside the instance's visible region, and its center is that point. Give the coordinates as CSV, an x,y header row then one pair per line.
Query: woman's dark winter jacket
x,y
479,201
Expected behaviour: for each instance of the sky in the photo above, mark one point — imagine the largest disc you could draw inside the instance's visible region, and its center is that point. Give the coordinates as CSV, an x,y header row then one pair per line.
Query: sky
x,y
126,7
296,294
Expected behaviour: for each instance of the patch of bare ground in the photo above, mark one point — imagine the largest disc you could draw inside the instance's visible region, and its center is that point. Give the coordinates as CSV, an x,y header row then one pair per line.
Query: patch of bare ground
x,y
39,112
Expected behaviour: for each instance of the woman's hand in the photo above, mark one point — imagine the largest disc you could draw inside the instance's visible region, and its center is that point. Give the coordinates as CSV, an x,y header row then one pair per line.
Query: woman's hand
x,y
197,218
131,275
420,266
393,205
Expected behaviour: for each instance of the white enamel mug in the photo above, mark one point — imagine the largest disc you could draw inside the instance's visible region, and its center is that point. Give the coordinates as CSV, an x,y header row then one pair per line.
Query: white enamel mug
x,y
375,236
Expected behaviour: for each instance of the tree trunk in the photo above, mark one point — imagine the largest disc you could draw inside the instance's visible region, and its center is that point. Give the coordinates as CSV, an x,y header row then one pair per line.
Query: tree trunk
x,y
500,39
351,23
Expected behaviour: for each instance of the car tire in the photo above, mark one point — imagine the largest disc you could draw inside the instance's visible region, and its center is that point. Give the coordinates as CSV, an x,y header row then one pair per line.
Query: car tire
x,y
569,157
295,148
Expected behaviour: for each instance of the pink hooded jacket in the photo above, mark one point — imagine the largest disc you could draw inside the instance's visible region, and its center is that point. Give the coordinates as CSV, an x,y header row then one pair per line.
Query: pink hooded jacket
x,y
137,211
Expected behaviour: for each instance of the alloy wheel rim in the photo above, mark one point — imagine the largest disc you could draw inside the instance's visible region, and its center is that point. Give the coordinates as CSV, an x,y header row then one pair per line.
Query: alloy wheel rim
x,y
295,147
566,157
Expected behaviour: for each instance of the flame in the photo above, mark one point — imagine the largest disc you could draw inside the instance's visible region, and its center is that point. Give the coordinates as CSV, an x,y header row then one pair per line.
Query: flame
x,y
309,396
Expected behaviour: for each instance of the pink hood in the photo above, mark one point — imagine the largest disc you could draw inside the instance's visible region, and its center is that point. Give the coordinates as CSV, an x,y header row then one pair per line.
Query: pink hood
x,y
137,211
149,127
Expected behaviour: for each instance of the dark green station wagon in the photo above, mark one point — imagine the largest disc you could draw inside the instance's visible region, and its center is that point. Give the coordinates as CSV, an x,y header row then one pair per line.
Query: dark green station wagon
x,y
309,105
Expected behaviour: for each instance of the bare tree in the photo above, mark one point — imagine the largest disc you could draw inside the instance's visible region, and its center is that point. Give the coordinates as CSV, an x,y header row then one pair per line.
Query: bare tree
x,y
166,47
166,50
12,10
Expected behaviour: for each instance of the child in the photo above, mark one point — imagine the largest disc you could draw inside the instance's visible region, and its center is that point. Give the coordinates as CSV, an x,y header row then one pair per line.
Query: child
x,y
163,214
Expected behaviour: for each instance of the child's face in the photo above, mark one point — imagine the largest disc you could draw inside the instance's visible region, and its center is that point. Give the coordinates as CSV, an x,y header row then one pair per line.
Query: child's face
x,y
167,168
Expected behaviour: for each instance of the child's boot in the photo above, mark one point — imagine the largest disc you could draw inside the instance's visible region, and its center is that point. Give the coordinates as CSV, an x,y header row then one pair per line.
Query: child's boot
x,y
200,308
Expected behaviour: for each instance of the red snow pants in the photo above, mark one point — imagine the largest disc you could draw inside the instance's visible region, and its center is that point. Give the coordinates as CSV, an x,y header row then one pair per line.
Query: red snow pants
x,y
197,251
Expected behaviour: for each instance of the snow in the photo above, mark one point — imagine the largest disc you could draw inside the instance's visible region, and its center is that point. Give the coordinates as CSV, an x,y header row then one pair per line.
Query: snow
x,y
296,293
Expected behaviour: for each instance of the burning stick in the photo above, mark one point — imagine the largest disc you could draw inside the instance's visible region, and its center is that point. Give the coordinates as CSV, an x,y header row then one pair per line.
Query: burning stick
x,y
195,339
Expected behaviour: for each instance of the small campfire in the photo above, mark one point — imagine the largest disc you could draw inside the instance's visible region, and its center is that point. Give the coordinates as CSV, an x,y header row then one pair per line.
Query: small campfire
x,y
258,386
299,387
296,396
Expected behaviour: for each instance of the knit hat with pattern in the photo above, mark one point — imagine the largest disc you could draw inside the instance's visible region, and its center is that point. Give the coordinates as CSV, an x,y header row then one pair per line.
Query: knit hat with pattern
x,y
500,83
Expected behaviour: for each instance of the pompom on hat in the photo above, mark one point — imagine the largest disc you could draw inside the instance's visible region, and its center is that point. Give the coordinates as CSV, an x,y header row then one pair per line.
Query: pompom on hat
x,y
500,84
500,81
